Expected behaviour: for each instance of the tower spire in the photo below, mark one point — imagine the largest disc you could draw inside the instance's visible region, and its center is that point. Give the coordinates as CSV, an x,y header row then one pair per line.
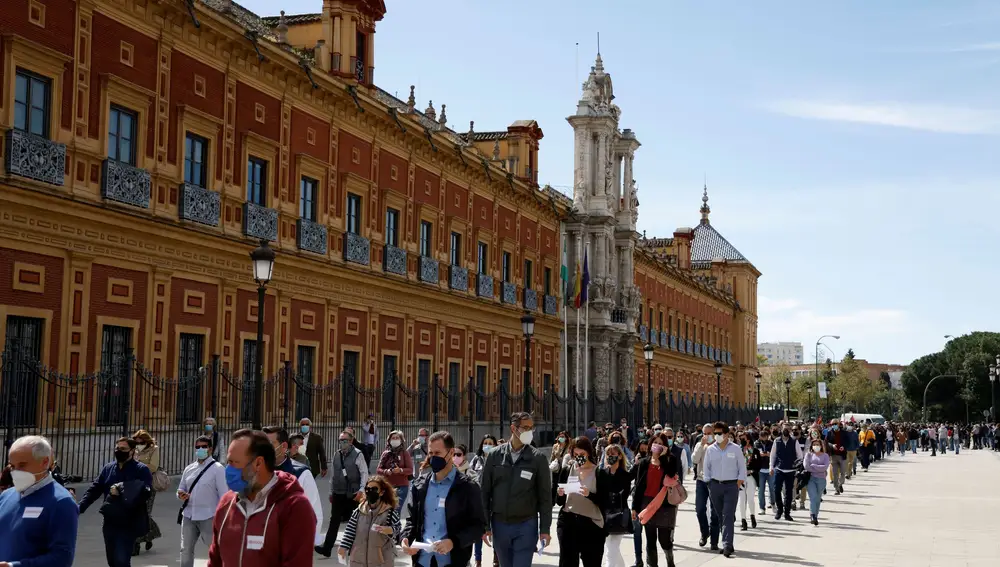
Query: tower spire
x,y
705,210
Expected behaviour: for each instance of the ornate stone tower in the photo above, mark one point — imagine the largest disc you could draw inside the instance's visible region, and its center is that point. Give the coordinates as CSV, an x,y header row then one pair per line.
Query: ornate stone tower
x,y
602,228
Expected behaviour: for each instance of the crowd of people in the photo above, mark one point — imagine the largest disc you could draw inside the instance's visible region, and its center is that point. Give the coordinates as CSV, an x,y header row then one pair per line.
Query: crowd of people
x,y
255,501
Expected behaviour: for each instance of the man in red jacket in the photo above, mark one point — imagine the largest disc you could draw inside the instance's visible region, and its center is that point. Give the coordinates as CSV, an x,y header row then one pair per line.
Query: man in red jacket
x,y
266,519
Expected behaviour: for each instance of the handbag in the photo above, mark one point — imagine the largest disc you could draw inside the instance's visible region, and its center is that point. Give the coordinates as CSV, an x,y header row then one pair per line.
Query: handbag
x,y
619,517
180,513
677,494
161,481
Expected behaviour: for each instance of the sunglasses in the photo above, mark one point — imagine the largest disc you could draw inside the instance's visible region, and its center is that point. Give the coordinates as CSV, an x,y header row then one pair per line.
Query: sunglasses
x,y
459,454
202,447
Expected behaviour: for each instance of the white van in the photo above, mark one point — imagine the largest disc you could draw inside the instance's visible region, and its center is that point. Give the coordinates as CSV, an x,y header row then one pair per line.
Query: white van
x,y
862,417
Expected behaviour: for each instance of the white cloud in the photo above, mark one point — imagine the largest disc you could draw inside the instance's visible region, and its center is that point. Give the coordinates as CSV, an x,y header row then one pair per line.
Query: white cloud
x,y
929,117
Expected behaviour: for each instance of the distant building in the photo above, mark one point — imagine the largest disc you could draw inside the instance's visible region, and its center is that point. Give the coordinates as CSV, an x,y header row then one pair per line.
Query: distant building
x,y
781,353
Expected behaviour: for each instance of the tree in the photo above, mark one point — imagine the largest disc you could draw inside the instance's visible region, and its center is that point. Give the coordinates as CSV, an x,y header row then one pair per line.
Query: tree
x,y
850,354
772,385
853,390
952,399
762,360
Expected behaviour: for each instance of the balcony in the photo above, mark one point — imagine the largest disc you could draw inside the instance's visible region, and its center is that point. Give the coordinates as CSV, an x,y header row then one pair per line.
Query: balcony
x,y
643,334
689,346
429,271
199,205
509,293
619,315
458,278
357,249
484,286
654,337
550,305
311,236
664,340
712,353
394,260
531,300
124,183
673,342
35,157
260,222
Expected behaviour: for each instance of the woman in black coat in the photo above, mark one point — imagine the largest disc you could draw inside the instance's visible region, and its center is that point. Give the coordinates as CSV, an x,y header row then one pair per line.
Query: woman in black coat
x,y
618,517
649,475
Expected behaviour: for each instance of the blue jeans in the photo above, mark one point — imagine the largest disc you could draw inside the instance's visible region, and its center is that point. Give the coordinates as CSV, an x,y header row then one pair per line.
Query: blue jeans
x,y
709,527
815,489
118,546
913,446
637,540
768,481
515,544
478,550
401,492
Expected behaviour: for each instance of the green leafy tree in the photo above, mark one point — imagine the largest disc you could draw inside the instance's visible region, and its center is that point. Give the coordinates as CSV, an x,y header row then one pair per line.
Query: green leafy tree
x,y
772,385
762,361
849,355
968,358
853,390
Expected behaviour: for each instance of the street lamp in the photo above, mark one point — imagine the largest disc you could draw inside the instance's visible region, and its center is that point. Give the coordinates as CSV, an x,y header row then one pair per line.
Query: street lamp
x,y
819,340
262,259
994,374
647,353
718,391
809,390
528,328
788,393
756,378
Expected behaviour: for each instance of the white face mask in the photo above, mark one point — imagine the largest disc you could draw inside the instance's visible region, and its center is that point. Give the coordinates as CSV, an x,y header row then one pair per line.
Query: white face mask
x,y
487,449
421,439
719,438
817,448
23,480
395,443
300,450
526,437
140,447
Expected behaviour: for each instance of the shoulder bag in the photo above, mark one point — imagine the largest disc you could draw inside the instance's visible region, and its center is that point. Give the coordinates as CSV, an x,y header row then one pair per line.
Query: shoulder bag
x,y
161,481
180,513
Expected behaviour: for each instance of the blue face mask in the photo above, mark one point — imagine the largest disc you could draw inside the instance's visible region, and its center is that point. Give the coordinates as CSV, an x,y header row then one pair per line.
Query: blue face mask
x,y
201,453
209,427
234,479
305,429
835,427
670,442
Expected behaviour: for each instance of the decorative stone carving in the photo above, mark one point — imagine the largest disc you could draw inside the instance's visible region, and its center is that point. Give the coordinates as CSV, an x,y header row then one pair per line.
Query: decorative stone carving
x,y
429,271
357,249
509,293
484,286
550,305
531,300
260,222
124,183
311,236
458,278
199,205
35,157
394,260
602,370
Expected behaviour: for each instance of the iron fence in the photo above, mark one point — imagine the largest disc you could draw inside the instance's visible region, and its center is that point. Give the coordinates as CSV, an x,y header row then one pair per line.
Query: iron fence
x,y
83,415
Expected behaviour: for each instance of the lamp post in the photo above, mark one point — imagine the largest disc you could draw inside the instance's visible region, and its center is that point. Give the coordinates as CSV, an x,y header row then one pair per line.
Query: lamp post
x,y
647,353
756,378
718,391
809,390
818,341
262,259
788,393
528,328
994,375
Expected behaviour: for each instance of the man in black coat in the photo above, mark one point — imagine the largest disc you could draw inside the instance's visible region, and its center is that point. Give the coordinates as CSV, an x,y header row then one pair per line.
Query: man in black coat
x,y
452,501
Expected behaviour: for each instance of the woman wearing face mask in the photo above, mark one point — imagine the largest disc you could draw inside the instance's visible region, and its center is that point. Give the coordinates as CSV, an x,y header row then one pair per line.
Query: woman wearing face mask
x,y
618,517
373,530
580,525
475,472
461,458
681,441
642,450
816,463
559,458
396,465
616,438
658,517
748,494
147,452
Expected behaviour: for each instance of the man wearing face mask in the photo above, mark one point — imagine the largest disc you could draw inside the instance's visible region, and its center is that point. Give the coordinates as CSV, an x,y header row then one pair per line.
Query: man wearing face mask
x,y
314,449
836,441
418,449
851,445
297,450
765,483
123,484
445,510
517,495
38,517
709,527
202,486
784,454
279,440
725,473
265,520
348,480
677,451
212,433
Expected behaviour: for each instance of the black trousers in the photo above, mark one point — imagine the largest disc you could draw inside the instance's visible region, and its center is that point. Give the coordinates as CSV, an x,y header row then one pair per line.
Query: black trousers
x,y
342,506
665,537
581,542
783,482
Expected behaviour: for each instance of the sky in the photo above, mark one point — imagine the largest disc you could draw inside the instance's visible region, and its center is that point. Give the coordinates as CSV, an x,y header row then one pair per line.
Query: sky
x,y
849,148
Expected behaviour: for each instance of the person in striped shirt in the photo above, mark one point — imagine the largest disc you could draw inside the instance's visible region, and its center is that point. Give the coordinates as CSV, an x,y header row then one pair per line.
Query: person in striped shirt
x,y
374,528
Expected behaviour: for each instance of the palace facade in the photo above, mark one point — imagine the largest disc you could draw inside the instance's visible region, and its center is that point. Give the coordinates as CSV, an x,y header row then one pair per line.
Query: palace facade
x,y
149,146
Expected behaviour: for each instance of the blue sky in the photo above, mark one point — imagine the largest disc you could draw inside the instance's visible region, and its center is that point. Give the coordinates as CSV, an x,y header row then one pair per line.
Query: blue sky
x,y
850,147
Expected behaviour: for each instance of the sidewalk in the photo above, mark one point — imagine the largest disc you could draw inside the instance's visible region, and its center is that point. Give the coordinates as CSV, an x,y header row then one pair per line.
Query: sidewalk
x,y
915,511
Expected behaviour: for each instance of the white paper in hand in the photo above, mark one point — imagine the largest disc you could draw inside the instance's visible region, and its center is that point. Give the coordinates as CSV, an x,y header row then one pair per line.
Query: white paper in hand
x,y
572,487
422,546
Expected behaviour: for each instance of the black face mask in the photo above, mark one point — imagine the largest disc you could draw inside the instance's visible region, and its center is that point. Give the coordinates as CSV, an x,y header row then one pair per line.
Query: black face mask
x,y
121,456
580,460
612,459
372,494
786,434
616,440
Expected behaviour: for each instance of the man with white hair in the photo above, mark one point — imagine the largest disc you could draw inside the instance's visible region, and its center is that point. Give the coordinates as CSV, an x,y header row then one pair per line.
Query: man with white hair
x,y
38,518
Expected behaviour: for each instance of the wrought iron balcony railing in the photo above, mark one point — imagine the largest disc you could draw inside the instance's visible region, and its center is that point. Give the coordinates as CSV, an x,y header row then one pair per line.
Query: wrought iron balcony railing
x,y
619,315
35,157
429,270
123,183
458,278
311,236
484,286
260,222
550,305
509,293
200,205
531,300
357,249
394,260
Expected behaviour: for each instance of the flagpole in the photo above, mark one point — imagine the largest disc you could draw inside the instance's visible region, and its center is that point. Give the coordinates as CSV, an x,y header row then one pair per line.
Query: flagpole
x,y
586,333
565,316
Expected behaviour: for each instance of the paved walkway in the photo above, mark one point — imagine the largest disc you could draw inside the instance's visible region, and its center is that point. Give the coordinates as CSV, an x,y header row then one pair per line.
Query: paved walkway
x,y
917,511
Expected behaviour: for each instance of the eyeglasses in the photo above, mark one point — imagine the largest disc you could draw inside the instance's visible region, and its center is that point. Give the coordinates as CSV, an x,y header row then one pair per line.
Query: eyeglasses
x,y
202,447
459,454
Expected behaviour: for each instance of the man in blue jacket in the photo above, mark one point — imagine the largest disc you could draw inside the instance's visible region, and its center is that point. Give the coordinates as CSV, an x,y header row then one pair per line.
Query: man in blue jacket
x,y
124,484
38,517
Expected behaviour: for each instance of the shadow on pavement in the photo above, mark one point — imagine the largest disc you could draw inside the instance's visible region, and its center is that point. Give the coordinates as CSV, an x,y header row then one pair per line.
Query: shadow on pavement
x,y
774,558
